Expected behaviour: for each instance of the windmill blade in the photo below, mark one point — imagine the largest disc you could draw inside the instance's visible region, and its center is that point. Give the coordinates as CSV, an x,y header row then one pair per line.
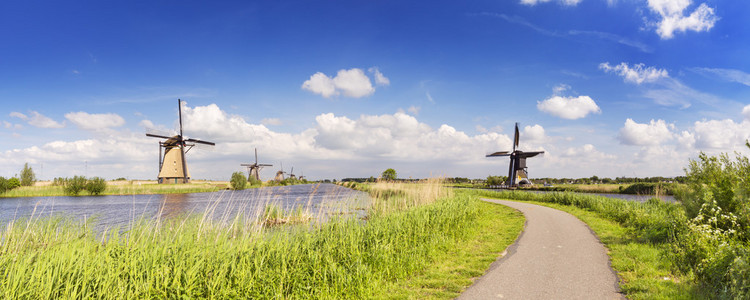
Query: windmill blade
x,y
200,142
256,156
265,165
247,165
158,136
179,111
501,153
515,138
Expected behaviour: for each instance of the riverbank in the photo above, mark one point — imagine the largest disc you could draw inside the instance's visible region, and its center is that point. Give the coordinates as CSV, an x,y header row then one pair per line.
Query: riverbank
x,y
418,239
131,187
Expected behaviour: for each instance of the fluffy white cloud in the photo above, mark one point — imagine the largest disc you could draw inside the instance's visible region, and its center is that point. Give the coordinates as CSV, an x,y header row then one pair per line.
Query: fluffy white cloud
x,y
653,133
351,83
570,108
746,112
534,133
637,74
725,135
37,120
380,79
88,121
673,19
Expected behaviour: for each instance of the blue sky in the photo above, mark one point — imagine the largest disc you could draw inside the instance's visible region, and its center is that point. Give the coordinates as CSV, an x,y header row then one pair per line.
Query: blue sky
x,y
346,89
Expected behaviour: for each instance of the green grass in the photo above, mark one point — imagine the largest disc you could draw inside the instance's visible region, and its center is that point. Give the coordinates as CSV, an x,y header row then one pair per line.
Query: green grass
x,y
195,257
454,269
636,236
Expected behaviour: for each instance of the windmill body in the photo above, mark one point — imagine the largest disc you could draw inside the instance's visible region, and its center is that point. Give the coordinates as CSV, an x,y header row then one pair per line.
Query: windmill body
x,y
172,165
253,170
279,176
517,170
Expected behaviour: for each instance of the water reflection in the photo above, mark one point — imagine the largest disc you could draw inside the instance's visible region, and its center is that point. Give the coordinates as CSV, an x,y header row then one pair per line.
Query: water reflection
x,y
322,201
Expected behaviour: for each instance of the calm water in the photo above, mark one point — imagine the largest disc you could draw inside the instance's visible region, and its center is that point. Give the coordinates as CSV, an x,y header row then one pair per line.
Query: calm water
x,y
111,211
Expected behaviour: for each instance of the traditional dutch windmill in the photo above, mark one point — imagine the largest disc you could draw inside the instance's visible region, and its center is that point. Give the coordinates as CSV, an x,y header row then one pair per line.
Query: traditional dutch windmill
x,y
517,171
253,170
291,174
280,174
172,165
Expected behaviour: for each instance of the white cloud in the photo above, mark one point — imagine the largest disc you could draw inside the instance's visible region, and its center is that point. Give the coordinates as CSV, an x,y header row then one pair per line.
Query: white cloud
x,y
724,135
534,133
673,19
480,128
653,133
380,79
746,112
19,115
558,89
37,120
726,74
271,121
351,83
10,125
88,121
637,74
570,108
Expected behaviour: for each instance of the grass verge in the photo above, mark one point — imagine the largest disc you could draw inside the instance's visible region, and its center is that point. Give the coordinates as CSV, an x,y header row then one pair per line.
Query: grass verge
x,y
458,264
636,242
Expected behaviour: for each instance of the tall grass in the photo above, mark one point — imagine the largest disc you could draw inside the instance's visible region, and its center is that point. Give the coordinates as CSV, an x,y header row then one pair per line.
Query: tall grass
x,y
236,256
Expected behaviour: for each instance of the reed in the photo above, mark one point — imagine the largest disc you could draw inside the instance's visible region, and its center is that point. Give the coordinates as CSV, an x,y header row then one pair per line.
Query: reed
x,y
219,255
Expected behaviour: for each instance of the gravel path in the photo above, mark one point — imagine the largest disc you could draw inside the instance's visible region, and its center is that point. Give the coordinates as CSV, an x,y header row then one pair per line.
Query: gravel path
x,y
556,257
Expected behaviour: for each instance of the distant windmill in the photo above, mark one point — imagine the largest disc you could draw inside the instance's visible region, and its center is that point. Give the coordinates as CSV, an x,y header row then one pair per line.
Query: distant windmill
x,y
172,165
291,174
301,176
517,174
253,170
280,173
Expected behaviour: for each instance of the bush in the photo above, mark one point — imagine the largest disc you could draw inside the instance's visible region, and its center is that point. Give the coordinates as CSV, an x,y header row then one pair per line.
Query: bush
x,y
238,181
715,243
13,183
74,186
3,184
96,185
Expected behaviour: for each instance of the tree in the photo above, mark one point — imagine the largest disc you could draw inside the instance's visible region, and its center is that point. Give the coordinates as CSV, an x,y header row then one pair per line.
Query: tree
x,y
238,181
96,185
389,174
27,175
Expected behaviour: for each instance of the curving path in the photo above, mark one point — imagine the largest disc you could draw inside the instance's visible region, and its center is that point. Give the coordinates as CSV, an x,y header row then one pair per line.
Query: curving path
x,y
556,257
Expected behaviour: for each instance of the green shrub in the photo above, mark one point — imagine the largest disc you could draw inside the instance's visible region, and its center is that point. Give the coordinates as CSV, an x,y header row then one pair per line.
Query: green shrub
x,y
238,181
3,184
74,186
13,183
96,185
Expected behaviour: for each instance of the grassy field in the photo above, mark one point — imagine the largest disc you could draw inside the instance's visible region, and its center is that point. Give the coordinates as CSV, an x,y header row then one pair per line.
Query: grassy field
x,y
419,241
133,187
